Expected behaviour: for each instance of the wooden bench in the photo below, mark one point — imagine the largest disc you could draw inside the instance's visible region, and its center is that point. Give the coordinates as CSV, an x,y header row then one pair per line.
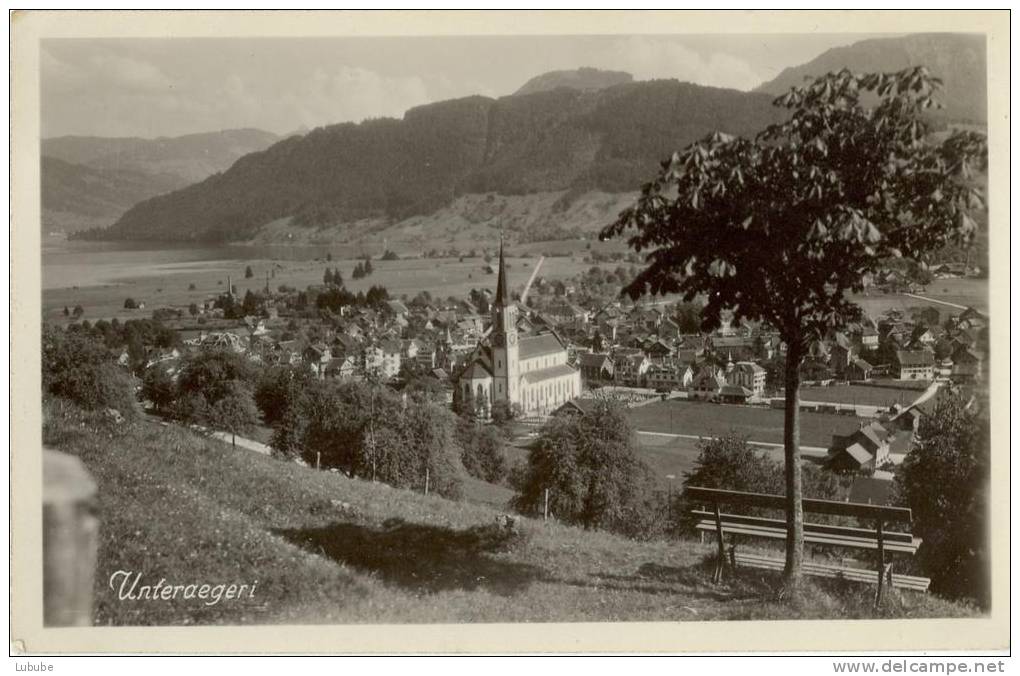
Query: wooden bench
x,y
709,517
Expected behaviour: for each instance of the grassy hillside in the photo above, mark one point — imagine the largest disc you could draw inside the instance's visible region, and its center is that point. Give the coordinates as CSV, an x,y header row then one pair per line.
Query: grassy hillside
x,y
470,221
76,196
326,549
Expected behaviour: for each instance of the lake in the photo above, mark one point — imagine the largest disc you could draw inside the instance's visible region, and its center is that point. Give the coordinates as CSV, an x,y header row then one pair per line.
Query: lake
x,y
66,264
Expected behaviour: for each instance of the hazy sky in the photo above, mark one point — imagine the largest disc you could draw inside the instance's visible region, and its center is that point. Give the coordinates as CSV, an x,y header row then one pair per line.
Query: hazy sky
x,y
156,87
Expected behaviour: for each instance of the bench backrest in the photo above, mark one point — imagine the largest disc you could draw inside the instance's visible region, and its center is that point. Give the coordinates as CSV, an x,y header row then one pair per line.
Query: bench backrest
x,y
767,501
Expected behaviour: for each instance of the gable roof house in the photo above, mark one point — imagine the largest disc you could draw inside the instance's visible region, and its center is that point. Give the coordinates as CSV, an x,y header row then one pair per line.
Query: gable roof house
x,y
707,384
596,368
866,448
914,365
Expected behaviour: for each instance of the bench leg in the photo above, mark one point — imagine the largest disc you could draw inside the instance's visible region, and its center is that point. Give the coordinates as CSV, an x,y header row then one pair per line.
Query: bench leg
x,y
720,561
881,565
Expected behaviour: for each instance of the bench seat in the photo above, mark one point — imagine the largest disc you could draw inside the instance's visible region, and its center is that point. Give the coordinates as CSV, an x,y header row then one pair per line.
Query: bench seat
x,y
830,571
816,534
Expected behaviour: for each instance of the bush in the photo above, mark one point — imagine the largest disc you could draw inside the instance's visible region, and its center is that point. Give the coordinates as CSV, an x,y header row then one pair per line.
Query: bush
x,y
944,481
78,367
206,378
130,304
590,466
159,388
369,432
482,453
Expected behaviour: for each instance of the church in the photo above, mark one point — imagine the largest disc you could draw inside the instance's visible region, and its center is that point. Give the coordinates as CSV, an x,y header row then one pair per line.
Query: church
x,y
529,371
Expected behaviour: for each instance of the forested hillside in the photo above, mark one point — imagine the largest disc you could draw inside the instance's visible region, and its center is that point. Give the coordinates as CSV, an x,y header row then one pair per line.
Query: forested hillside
x,y
610,140
958,59
90,181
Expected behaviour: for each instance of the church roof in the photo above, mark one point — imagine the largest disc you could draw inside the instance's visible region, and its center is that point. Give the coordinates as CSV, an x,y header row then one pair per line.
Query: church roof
x,y
539,346
476,370
560,370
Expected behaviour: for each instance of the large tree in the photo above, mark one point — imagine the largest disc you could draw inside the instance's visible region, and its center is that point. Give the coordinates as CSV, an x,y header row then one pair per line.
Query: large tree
x,y
589,465
783,227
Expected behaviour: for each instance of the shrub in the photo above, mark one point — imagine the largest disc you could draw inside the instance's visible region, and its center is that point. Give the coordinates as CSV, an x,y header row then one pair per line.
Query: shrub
x,y
159,388
78,367
944,481
590,466
482,453
130,304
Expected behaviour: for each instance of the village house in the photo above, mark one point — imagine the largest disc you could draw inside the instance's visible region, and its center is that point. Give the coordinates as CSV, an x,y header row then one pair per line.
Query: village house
x,y
866,448
596,369
658,351
343,366
914,365
629,367
391,351
707,384
748,375
669,377
318,357
859,369
966,366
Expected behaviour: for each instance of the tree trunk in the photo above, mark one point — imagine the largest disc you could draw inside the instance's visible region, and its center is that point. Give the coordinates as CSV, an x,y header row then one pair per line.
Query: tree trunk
x,y
791,452
233,440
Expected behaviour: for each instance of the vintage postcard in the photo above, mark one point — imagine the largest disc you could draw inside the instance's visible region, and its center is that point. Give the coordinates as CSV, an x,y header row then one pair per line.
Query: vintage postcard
x,y
511,331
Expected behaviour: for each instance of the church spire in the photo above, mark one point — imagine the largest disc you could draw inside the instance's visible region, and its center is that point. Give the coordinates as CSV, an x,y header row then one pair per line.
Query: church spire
x,y
502,296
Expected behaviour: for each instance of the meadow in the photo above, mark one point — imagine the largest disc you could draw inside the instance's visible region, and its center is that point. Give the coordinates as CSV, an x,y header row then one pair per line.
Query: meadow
x,y
765,425
966,292
860,395
327,549
101,289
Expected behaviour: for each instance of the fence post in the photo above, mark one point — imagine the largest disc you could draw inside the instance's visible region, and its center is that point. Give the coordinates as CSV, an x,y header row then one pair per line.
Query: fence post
x,y
545,511
70,541
426,481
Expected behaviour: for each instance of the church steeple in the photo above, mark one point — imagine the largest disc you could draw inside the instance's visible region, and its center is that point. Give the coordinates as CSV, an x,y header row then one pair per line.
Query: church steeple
x,y
502,296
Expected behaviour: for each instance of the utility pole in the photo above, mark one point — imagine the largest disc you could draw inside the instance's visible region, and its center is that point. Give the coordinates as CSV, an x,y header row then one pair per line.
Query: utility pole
x,y
426,481
545,511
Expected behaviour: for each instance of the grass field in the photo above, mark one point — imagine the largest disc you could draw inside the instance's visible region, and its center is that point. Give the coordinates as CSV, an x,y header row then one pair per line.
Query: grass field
x,y
967,292
327,549
758,424
859,394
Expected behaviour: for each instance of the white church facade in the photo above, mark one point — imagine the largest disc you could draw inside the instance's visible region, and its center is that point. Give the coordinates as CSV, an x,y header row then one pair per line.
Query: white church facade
x,y
529,371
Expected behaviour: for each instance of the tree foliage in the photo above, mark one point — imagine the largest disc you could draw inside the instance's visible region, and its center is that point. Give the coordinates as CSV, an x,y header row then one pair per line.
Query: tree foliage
x,y
234,411
482,452
590,466
78,367
159,388
367,431
944,481
209,376
784,226
801,212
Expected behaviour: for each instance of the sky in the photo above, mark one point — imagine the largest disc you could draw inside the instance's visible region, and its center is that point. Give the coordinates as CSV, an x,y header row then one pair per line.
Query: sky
x,y
170,87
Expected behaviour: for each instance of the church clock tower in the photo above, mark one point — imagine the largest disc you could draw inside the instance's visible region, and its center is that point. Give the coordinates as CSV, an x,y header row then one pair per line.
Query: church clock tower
x,y
505,349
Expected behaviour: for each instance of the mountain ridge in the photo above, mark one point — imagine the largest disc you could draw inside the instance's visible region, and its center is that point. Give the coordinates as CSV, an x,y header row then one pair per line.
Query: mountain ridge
x,y
90,181
960,60
609,139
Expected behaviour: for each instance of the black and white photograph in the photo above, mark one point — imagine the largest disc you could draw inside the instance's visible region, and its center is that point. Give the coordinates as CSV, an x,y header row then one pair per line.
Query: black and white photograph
x,y
518,328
